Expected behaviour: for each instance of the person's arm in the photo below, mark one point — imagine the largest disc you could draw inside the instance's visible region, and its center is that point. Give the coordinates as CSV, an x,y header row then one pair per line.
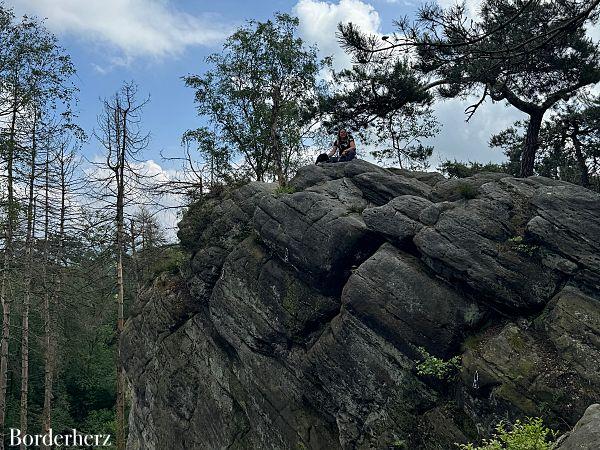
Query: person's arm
x,y
332,151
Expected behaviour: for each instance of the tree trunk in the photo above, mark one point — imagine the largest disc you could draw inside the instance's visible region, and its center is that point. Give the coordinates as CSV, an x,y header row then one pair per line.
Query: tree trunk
x,y
24,366
48,356
581,162
6,300
48,363
119,172
49,331
276,141
120,406
122,140
5,337
28,289
120,322
531,143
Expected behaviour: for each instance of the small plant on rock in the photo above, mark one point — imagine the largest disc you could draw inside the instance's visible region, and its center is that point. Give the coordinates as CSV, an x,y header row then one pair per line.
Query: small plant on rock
x,y
283,190
519,245
399,444
437,367
528,435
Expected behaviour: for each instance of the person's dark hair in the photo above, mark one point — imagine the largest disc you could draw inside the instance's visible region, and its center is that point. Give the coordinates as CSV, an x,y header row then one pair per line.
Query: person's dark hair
x,y
340,131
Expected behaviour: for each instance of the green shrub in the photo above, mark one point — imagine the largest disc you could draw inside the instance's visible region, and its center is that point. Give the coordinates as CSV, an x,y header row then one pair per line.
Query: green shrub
x,y
467,191
437,367
287,189
456,169
519,245
399,444
167,259
99,421
528,435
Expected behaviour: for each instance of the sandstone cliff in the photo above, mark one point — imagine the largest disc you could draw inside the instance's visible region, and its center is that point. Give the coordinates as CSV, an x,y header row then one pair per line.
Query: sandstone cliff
x,y
299,319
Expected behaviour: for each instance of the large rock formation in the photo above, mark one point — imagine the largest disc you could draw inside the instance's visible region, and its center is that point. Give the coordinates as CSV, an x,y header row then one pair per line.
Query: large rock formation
x,y
585,434
300,318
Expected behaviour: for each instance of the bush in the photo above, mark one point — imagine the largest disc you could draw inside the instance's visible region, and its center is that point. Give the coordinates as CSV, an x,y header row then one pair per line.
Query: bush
x,y
437,367
528,435
283,190
456,169
101,421
169,259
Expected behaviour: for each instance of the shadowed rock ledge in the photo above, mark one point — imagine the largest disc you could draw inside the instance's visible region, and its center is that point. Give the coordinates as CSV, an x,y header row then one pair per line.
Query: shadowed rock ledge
x,y
298,320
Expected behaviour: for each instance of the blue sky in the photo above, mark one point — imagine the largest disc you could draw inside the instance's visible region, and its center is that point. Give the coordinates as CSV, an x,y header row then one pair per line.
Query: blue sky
x,y
156,42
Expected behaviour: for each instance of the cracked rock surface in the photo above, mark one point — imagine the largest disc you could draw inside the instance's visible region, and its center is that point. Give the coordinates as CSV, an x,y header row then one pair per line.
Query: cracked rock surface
x,y
299,320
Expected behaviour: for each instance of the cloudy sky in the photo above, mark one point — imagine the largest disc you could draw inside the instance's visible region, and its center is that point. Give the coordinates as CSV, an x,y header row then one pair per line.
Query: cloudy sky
x,y
155,42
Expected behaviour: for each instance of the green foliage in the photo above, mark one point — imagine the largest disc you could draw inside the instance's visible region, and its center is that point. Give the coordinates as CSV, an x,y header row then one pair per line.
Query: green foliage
x,y
101,421
33,66
519,245
467,191
531,55
84,323
456,169
528,435
167,259
399,444
259,97
436,367
287,189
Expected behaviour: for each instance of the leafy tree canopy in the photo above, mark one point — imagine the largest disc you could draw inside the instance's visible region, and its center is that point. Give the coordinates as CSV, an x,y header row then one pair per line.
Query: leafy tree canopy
x,y
260,97
531,54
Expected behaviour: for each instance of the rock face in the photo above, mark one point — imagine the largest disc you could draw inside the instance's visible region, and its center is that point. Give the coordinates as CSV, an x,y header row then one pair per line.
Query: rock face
x,y
586,434
300,318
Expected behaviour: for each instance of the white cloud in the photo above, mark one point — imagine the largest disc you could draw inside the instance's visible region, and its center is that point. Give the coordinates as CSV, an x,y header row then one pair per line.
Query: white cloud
x,y
468,141
319,20
163,205
136,27
593,31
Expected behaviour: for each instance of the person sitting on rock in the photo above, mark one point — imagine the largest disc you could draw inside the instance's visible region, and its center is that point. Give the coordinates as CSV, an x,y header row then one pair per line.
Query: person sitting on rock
x,y
344,146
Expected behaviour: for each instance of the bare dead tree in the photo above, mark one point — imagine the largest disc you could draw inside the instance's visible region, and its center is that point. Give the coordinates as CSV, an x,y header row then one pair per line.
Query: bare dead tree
x,y
121,136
